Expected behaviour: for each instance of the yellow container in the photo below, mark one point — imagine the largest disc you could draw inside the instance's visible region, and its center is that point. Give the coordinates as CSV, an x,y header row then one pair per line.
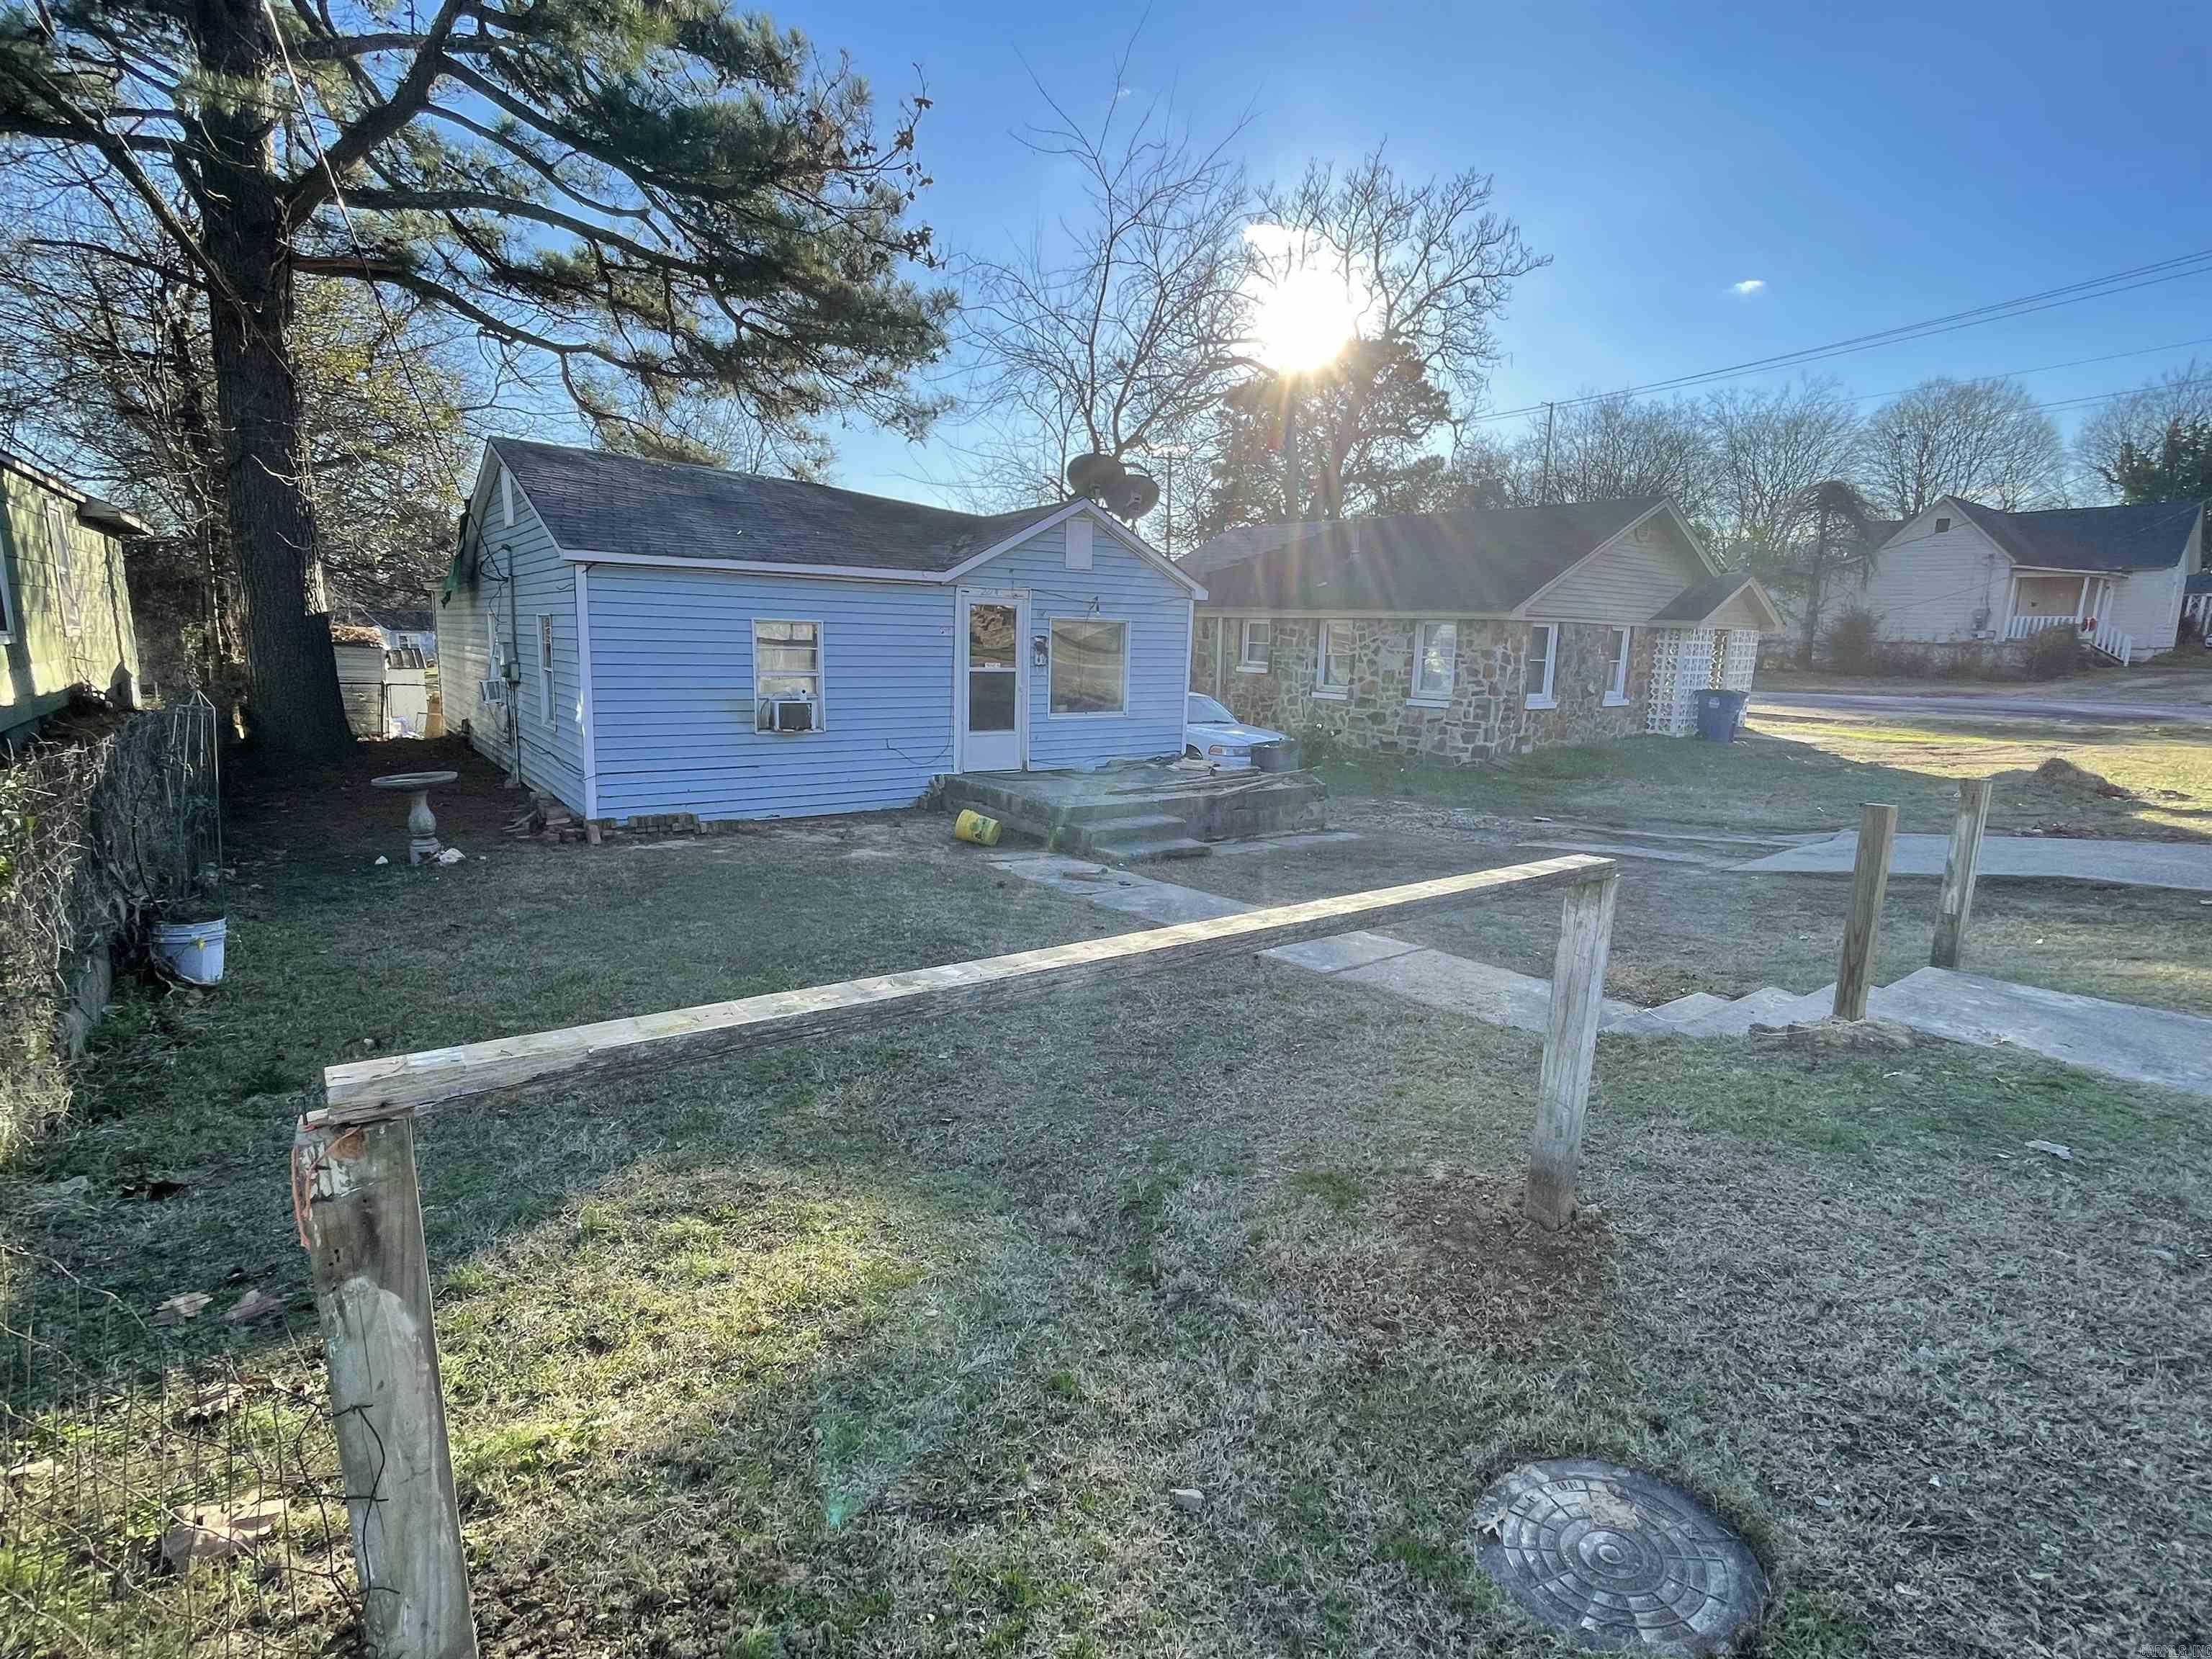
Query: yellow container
x,y
972,825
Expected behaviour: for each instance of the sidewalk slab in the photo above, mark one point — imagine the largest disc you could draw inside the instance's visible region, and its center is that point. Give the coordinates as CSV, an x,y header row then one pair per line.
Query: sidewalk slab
x,y
2118,1039
2182,865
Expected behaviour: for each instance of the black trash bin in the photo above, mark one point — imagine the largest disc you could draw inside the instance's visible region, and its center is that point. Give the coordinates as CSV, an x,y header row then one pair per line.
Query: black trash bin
x,y
1719,714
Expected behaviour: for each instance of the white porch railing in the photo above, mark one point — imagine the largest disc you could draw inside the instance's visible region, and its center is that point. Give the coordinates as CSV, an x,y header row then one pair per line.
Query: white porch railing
x,y
2197,607
2103,638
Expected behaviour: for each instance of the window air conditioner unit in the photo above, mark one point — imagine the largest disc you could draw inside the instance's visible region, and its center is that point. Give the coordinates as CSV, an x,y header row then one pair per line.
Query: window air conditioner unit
x,y
786,714
491,693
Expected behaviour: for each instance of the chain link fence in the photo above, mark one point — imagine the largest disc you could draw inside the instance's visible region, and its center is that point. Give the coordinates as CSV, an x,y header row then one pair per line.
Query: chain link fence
x,y
165,1494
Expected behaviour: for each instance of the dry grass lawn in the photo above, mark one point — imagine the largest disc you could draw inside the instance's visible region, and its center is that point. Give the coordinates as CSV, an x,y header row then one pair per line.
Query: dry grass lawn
x,y
897,1346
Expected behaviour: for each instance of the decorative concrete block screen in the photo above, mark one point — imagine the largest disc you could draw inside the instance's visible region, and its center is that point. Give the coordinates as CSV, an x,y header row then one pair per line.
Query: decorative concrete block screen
x,y
1688,661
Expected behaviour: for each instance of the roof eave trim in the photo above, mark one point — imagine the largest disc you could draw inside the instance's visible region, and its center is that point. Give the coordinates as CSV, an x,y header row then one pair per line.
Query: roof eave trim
x,y
859,573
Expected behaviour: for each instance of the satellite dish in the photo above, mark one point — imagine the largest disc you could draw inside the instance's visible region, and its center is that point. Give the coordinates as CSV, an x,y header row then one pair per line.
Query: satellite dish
x,y
1139,497
1096,475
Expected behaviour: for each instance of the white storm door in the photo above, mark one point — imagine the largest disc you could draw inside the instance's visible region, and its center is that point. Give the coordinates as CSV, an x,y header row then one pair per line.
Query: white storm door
x,y
991,697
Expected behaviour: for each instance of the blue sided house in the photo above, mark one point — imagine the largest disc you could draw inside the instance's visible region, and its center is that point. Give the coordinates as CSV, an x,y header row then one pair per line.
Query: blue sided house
x,y
645,640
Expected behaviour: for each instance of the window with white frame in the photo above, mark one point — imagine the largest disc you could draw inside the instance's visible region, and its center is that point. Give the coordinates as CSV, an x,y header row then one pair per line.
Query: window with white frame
x,y
1256,640
1333,664
1543,659
1089,666
1616,687
545,668
787,673
61,559
1436,659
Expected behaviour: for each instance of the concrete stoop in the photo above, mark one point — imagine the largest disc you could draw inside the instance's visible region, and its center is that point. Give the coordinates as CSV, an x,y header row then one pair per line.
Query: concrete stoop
x,y
1137,815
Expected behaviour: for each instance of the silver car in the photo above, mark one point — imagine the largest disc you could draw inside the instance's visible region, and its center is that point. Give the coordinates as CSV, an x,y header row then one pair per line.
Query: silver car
x,y
1212,734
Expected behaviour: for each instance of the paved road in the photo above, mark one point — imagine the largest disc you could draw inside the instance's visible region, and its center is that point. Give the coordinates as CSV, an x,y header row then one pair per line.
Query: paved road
x,y
1977,710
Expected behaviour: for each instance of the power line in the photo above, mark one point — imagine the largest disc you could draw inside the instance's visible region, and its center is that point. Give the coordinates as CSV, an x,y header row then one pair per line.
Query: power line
x,y
2046,368
2125,392
2094,288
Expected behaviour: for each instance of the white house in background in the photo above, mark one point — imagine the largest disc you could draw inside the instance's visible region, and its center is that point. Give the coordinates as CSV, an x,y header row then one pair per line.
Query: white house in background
x,y
1960,571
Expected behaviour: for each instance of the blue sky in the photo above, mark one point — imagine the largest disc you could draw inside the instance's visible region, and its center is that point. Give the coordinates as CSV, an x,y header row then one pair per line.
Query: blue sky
x,y
1871,165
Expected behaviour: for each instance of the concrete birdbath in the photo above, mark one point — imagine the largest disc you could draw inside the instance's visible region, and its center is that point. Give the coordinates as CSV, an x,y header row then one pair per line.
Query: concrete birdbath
x,y
421,827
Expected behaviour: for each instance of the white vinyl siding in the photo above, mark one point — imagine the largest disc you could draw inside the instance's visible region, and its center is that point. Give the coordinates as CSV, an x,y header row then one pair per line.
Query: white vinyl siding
x,y
1332,660
1930,584
2147,606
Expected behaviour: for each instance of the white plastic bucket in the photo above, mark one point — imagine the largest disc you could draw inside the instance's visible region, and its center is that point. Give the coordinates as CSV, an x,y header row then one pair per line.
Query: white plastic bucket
x,y
192,951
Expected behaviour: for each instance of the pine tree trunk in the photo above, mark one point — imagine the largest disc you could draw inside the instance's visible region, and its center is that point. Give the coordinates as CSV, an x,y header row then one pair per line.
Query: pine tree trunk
x,y
294,703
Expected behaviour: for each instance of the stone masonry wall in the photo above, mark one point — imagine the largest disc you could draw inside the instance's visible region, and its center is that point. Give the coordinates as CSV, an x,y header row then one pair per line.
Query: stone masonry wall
x,y
1484,717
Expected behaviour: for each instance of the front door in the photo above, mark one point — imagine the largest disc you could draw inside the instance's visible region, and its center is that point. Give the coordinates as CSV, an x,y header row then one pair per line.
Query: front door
x,y
993,684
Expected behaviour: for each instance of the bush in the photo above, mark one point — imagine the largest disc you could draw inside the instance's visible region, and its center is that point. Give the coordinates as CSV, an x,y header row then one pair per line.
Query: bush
x,y
2054,652
1852,647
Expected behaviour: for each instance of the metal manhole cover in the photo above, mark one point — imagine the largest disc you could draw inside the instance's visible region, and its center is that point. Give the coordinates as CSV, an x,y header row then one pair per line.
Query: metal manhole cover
x,y
1617,1559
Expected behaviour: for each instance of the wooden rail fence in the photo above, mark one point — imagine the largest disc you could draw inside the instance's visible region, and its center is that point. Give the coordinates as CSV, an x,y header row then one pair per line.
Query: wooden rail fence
x,y
360,1210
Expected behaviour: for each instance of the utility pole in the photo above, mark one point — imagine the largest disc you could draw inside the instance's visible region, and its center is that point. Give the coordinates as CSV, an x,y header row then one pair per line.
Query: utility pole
x,y
1544,494
1171,454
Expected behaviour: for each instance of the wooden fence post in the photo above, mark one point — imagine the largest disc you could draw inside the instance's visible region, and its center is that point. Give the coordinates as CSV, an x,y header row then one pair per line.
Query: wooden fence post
x,y
360,1218
1869,882
1570,1045
1960,868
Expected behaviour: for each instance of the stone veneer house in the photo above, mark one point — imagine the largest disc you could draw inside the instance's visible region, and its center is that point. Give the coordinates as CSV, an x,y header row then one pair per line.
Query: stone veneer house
x,y
1468,635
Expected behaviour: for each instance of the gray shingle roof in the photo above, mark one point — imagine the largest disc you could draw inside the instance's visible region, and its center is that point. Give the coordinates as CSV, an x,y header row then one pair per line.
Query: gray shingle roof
x,y
1694,604
2090,538
2199,583
1481,560
593,501
1238,542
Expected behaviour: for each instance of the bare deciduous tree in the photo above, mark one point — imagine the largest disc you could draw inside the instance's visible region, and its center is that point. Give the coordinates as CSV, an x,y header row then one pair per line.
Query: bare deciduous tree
x,y
105,375
2141,419
1609,448
1426,268
1983,440
1769,451
1120,326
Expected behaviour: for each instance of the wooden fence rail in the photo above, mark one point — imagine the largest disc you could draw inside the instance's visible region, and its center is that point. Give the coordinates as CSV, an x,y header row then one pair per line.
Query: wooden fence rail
x,y
354,1184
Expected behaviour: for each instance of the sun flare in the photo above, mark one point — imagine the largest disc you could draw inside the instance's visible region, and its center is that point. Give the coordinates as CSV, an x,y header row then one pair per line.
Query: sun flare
x,y
1304,314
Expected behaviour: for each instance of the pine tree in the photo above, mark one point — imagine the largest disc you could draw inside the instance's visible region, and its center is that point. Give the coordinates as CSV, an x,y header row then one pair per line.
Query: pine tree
x,y
2180,471
658,201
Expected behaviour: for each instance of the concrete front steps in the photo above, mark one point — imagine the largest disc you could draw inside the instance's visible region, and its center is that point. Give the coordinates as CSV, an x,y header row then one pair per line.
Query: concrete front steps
x,y
1141,815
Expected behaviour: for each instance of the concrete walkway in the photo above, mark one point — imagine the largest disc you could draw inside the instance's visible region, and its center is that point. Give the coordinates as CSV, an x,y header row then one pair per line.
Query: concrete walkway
x,y
1972,710
2183,865
2143,1045
1435,978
